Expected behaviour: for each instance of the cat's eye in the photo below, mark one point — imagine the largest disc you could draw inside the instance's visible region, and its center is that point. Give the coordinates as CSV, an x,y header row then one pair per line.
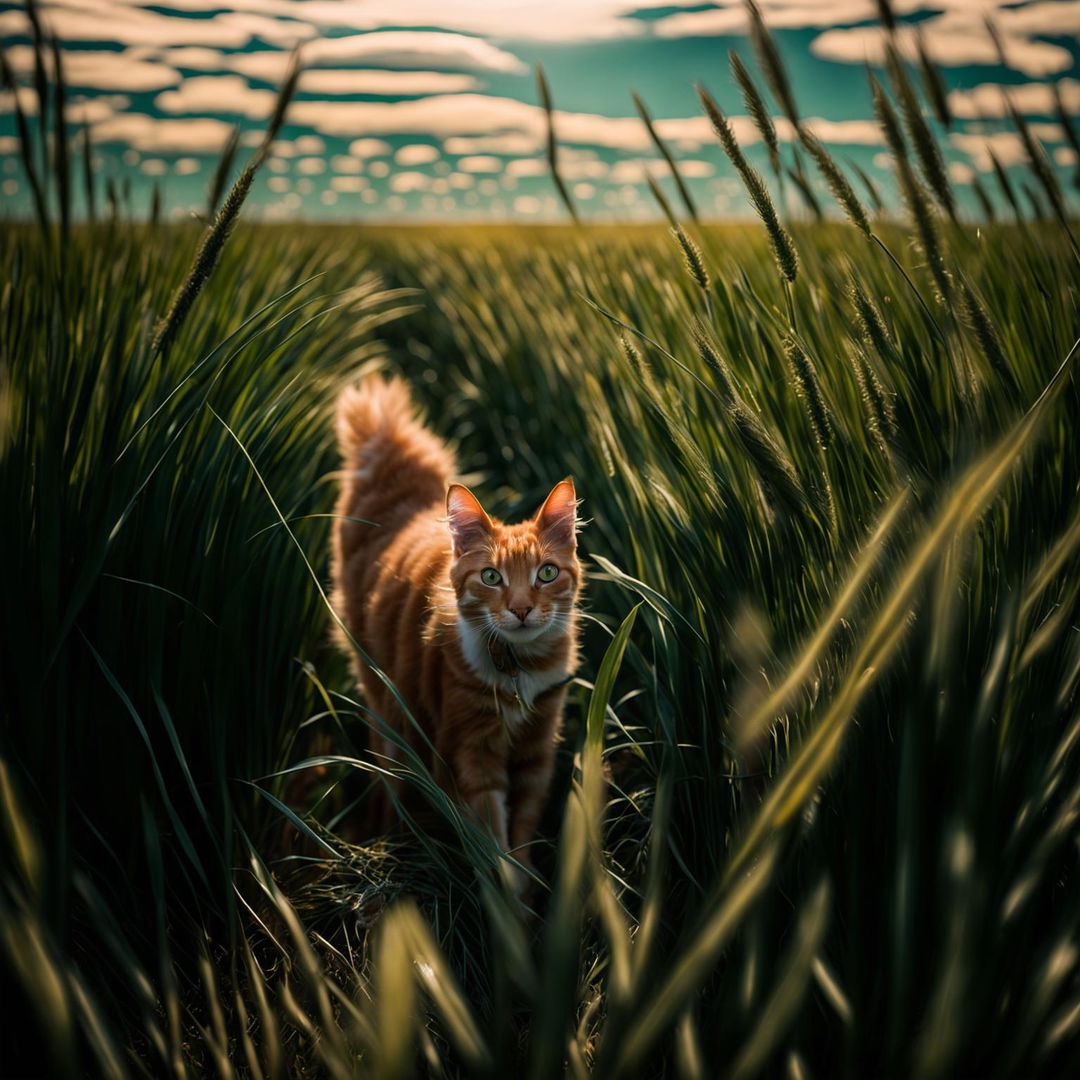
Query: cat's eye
x,y
490,576
547,572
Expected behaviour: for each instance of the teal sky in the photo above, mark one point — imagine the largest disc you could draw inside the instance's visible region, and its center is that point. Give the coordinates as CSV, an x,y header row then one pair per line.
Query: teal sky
x,y
416,110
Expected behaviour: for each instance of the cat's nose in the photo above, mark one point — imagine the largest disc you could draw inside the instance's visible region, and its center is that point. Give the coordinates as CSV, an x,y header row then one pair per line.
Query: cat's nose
x,y
522,613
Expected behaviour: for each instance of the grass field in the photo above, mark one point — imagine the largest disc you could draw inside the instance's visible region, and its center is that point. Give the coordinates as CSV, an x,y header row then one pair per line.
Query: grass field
x,y
817,805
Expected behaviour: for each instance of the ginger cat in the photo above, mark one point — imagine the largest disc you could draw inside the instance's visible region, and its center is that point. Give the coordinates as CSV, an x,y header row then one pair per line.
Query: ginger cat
x,y
473,621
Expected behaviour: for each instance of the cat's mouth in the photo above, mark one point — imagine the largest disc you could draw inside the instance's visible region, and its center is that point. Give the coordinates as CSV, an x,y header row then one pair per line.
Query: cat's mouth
x,y
520,632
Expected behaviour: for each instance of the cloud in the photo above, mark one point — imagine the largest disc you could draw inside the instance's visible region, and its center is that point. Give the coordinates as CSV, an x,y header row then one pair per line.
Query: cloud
x,y
86,110
417,154
228,94
527,167
369,148
124,24
414,49
349,183
1006,145
197,57
470,122
185,166
403,182
841,132
290,148
634,170
100,70
952,40
311,166
719,21
1030,99
481,163
511,143
386,83
446,50
554,20
343,163
188,135
27,101
960,172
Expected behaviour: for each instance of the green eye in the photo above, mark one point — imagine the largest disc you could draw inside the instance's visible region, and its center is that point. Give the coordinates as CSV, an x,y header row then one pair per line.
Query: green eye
x,y
490,576
547,572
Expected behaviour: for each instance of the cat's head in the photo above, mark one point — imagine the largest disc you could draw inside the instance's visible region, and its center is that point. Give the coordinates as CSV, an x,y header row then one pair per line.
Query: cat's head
x,y
520,581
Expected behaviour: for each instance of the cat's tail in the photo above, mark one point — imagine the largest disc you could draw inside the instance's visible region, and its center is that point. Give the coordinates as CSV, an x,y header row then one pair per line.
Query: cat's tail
x,y
392,466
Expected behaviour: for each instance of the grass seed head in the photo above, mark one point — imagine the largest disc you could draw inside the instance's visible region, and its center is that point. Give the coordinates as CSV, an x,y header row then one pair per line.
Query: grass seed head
x,y
770,63
695,261
725,382
808,386
783,249
927,150
757,108
839,185
978,317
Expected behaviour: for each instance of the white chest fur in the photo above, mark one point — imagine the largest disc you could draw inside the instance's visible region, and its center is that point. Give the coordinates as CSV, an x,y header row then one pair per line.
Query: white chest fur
x,y
528,685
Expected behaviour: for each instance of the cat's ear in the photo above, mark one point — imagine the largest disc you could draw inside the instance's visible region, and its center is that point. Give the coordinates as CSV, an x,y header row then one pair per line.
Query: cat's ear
x,y
557,518
468,523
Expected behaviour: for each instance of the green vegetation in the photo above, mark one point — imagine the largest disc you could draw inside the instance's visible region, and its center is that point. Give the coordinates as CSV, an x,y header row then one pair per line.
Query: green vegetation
x,y
817,807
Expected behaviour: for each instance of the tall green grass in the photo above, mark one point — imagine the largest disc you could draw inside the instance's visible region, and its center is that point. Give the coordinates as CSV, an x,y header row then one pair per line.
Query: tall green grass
x,y
816,809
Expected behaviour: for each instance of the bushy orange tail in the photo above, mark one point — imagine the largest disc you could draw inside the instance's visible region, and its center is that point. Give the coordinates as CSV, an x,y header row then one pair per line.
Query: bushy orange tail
x,y
392,467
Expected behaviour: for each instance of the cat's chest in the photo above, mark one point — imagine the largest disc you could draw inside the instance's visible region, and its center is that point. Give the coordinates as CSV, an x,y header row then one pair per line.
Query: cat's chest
x,y
516,692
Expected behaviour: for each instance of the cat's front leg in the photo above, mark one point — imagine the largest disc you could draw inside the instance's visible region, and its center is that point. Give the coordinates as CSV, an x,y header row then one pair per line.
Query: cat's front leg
x,y
532,763
481,778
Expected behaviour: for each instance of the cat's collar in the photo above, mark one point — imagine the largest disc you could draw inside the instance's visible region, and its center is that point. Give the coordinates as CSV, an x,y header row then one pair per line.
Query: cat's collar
x,y
504,658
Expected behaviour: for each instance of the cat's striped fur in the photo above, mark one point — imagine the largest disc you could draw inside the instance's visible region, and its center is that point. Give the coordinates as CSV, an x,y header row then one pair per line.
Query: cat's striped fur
x,y
482,668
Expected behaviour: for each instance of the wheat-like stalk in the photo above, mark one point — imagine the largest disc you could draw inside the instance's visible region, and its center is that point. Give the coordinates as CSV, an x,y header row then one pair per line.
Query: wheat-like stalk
x,y
222,172
797,175
807,382
880,412
872,324
886,15
927,150
985,202
978,317
998,40
1004,183
1068,128
783,249
661,199
871,187
932,82
61,149
695,261
757,109
886,117
839,185
213,240
1040,166
774,467
770,62
26,143
725,381
553,146
665,153
911,190
89,184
